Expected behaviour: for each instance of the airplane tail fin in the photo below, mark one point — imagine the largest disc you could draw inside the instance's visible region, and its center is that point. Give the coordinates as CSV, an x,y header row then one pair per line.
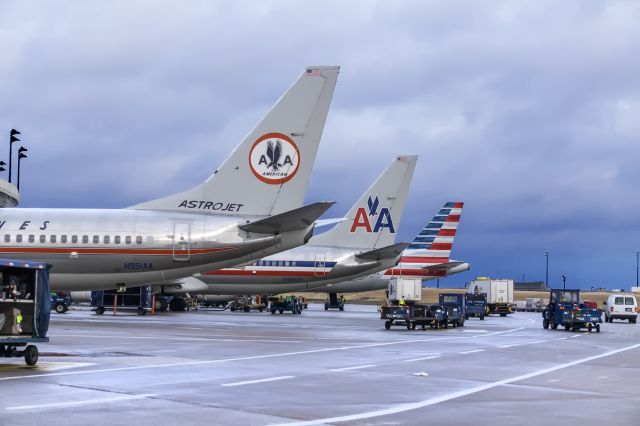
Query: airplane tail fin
x,y
433,244
268,173
374,219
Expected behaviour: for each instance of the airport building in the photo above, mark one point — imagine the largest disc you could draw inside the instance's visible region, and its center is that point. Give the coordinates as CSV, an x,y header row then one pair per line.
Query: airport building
x,y
9,196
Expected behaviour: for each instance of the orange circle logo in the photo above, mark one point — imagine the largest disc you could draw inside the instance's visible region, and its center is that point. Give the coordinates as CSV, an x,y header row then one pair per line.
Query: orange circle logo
x,y
274,158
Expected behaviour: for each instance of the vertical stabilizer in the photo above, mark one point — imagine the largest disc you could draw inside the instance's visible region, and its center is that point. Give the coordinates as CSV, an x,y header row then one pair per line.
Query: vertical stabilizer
x,y
432,246
374,220
268,173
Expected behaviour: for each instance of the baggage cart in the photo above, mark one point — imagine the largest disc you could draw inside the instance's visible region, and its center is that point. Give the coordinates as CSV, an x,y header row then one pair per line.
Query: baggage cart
x,y
25,305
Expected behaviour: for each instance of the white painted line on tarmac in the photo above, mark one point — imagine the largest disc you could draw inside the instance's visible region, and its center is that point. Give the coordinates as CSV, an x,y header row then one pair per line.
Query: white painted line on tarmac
x,y
474,331
357,367
471,352
535,341
562,338
85,402
401,408
251,382
576,335
424,358
509,346
194,339
249,358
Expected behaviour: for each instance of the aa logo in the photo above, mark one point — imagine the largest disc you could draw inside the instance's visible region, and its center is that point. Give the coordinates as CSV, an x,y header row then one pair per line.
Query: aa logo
x,y
274,158
365,218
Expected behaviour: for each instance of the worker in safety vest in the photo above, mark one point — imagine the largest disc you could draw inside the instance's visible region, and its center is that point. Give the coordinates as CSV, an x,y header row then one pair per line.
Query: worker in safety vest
x,y
19,323
401,301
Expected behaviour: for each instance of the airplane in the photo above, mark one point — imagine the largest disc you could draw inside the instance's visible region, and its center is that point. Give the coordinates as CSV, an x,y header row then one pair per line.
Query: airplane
x,y
426,258
249,208
362,243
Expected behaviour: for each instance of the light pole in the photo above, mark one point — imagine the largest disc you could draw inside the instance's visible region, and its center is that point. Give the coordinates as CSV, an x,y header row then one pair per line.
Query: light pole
x,y
21,155
546,277
12,139
564,282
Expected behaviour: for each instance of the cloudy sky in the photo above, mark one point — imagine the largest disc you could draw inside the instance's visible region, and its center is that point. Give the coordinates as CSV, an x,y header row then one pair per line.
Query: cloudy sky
x,y
529,112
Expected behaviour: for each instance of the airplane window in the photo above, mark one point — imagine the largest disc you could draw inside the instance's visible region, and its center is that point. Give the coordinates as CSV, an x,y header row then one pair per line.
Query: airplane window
x,y
293,263
116,239
32,238
127,239
85,239
138,239
7,238
53,238
106,239
63,239
43,238
74,239
286,263
19,238
96,239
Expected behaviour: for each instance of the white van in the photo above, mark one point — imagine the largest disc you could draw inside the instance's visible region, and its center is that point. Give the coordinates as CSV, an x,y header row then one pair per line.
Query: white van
x,y
621,306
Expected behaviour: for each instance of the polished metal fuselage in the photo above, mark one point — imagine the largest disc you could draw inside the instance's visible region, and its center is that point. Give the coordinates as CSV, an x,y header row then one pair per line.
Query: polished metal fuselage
x,y
100,249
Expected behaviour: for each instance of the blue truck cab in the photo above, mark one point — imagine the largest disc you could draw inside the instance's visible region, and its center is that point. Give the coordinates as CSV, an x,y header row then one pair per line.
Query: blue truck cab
x,y
564,309
475,305
454,304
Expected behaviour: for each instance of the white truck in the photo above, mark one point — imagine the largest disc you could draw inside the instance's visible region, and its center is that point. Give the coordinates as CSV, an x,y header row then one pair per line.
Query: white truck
x,y
407,289
499,294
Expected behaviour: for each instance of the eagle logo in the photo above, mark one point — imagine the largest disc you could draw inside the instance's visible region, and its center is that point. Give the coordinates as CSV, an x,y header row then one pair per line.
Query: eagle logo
x,y
274,153
274,158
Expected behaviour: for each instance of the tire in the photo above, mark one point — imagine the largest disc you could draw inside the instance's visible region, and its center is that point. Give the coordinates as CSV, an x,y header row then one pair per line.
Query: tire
x,y
60,308
273,312
31,355
466,317
326,307
99,310
481,317
408,325
461,323
177,304
567,327
554,325
281,311
589,327
597,328
141,311
341,308
545,324
503,315
387,325
260,309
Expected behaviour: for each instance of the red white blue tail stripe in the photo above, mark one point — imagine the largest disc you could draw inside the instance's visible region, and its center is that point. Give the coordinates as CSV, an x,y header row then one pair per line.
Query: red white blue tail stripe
x,y
432,246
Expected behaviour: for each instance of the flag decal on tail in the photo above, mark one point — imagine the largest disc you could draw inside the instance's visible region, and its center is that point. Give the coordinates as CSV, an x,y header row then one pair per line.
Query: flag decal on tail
x,y
366,218
274,158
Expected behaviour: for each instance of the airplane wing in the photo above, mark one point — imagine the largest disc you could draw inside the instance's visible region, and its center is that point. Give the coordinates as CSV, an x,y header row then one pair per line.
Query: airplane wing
x,y
443,266
292,220
384,252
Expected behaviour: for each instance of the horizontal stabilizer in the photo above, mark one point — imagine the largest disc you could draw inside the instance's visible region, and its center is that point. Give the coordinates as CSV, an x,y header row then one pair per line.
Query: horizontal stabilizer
x,y
292,220
326,222
443,266
387,252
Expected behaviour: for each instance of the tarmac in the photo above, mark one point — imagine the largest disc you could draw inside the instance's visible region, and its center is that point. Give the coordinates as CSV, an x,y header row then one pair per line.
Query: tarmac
x,y
342,368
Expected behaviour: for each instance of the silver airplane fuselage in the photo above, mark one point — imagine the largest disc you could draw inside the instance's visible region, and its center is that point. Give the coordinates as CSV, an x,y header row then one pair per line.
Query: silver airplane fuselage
x,y
101,249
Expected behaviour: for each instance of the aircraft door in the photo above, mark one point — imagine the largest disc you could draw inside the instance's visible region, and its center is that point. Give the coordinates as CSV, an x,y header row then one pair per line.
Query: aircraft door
x,y
181,241
318,270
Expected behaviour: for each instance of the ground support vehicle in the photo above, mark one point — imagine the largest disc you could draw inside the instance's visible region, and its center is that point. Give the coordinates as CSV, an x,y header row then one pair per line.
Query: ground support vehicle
x,y
454,303
138,298
334,302
25,307
60,302
499,294
410,316
285,304
475,305
564,310
248,303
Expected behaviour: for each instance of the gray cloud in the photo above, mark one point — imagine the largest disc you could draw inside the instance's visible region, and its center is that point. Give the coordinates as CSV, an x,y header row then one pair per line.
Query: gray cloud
x,y
527,111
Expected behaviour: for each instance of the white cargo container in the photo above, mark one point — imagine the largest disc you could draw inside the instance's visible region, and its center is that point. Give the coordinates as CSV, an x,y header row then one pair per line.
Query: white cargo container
x,y
407,289
635,289
499,293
